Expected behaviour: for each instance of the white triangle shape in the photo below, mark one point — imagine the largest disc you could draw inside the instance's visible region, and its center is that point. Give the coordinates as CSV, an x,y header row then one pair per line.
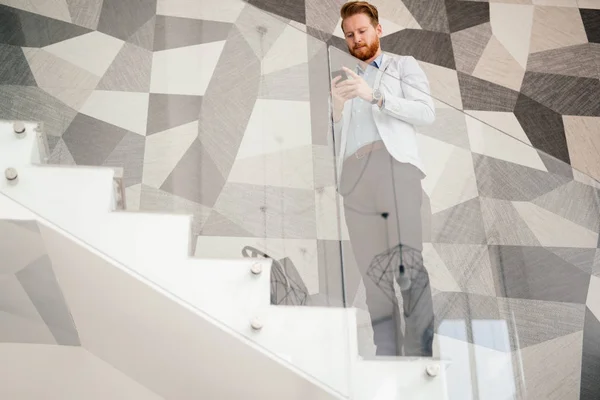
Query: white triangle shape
x,y
185,70
490,142
338,30
93,51
276,125
553,230
506,122
74,98
390,27
439,275
512,25
127,110
593,299
289,168
164,150
435,155
57,9
290,49
397,13
457,183
497,65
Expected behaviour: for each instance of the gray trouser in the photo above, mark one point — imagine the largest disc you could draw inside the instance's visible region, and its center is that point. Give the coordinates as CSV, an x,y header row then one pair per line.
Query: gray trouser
x,y
382,204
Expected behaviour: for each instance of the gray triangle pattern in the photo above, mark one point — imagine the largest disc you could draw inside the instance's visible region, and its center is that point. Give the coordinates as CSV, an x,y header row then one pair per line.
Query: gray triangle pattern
x,y
34,104
85,13
259,30
26,29
219,225
174,32
61,154
579,258
91,141
52,142
462,223
14,68
275,86
166,111
144,37
539,321
469,265
504,225
129,155
508,181
122,77
469,45
122,19
219,113
39,282
431,15
585,212
196,177
590,384
535,273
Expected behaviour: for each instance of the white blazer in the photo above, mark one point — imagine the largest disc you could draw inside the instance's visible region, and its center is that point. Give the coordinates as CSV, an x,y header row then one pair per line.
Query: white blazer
x,y
407,103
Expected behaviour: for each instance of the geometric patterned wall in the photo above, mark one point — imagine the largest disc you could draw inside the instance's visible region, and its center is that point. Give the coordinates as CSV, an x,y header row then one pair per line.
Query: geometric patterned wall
x,y
217,109
538,59
168,89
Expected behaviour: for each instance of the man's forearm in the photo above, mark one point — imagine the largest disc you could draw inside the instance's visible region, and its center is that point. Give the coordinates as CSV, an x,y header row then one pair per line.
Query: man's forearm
x,y
337,115
411,111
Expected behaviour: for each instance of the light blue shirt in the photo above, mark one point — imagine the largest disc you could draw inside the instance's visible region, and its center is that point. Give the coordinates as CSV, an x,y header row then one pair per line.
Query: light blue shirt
x,y
362,129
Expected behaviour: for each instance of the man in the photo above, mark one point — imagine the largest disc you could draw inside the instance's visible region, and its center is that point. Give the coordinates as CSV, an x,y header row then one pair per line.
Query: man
x,y
375,110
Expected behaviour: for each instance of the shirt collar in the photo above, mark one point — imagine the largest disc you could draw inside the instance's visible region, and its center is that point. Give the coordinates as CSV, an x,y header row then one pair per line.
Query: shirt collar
x,y
375,63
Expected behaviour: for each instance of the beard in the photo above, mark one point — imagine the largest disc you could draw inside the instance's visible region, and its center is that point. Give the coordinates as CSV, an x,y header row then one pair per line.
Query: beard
x,y
366,51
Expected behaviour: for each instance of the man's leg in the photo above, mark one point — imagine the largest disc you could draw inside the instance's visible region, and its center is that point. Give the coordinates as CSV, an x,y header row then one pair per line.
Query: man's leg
x,y
367,236
367,230
401,196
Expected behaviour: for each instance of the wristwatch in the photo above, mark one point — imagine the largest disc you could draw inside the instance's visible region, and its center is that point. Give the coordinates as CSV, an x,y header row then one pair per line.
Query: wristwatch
x,y
377,95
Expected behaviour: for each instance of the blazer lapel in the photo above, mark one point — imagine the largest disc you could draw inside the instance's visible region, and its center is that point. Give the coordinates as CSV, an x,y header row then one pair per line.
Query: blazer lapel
x,y
385,63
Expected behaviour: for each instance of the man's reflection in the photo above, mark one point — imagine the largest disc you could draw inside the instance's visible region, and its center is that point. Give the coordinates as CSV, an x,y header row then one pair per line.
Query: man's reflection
x,y
375,108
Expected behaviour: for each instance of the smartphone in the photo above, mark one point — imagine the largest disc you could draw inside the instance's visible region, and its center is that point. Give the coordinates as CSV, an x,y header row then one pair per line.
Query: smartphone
x,y
339,72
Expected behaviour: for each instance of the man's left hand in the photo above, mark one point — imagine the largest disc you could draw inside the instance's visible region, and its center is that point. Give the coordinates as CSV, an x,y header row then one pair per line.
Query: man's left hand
x,y
355,87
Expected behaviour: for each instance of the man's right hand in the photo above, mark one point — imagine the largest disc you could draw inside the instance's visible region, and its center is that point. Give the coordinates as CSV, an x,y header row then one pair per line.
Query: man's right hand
x,y
338,99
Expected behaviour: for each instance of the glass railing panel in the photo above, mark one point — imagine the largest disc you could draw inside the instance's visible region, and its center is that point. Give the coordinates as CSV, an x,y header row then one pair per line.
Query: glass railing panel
x,y
497,242
241,145
143,338
175,123
259,168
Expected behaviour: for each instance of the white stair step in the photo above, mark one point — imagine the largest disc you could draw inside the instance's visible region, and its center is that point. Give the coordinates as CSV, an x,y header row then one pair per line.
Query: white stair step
x,y
398,379
86,193
320,341
225,289
139,239
315,339
161,342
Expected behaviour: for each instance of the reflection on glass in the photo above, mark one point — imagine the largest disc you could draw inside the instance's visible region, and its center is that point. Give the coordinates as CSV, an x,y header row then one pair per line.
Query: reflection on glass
x,y
482,365
377,102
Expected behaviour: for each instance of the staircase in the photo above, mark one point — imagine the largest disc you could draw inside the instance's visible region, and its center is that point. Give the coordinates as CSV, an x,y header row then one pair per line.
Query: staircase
x,y
171,325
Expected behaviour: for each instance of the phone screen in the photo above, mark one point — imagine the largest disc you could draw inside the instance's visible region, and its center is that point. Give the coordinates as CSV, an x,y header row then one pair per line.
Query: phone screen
x,y
339,72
